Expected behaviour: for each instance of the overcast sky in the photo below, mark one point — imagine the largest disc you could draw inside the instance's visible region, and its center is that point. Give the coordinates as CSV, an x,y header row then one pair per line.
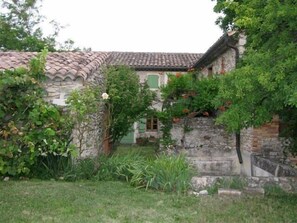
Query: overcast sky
x,y
136,25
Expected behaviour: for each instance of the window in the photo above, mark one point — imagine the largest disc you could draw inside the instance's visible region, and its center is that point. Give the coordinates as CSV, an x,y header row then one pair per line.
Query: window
x,y
152,124
153,81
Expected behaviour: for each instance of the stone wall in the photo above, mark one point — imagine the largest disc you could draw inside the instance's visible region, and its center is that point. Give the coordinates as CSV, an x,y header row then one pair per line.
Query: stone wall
x,y
207,146
212,150
266,140
221,65
288,184
227,61
58,90
269,167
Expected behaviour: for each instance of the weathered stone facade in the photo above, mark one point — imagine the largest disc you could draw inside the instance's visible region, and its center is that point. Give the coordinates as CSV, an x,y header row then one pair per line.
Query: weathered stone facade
x,y
90,143
59,88
207,146
226,60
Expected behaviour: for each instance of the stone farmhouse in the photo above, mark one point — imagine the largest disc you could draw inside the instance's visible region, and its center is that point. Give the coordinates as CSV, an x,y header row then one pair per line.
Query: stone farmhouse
x,y
207,146
153,68
66,71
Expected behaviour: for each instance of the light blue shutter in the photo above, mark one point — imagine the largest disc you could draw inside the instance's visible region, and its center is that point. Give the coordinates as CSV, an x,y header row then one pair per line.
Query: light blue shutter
x,y
142,125
153,81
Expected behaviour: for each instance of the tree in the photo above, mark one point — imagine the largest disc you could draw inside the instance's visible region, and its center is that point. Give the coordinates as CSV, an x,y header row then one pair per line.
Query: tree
x,y
128,101
264,83
19,25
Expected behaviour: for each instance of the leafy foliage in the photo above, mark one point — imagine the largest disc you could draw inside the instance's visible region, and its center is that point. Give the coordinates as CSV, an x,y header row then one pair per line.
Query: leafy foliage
x,y
265,82
129,100
30,128
20,30
186,96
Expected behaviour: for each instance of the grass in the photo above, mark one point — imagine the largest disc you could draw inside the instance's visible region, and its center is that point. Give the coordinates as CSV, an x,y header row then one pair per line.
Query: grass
x,y
58,201
145,151
232,183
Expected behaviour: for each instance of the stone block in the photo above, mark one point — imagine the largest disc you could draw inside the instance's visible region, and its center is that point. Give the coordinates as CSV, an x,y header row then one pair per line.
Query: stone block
x,y
214,167
254,191
203,192
200,183
229,192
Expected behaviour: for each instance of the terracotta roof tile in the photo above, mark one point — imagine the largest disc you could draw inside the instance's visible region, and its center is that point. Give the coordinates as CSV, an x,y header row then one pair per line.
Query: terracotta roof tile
x,y
82,64
58,64
154,61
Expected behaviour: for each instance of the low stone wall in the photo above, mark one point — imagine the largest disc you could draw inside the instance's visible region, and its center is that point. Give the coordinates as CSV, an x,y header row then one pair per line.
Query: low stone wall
x,y
208,147
288,184
269,167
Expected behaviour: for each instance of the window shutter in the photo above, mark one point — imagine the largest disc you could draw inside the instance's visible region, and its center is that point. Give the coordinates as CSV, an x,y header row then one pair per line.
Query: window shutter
x,y
153,81
142,125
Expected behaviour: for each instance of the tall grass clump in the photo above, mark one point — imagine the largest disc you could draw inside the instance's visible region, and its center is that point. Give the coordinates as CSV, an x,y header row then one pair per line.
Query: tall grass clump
x,y
165,173
51,167
168,173
120,167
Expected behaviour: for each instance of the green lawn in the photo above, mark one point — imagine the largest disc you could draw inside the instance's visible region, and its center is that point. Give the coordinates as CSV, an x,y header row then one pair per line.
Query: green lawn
x,y
52,201
146,151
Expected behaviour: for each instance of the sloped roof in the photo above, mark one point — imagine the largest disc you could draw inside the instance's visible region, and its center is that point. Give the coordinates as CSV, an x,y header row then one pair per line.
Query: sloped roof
x,y
154,61
225,42
58,64
83,64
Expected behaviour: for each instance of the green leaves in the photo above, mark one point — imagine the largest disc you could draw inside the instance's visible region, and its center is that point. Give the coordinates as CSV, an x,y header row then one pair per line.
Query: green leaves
x,y
29,126
129,100
184,94
264,84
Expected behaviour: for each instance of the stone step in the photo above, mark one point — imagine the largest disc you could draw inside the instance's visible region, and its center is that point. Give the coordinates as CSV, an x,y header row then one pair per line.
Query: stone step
x,y
229,192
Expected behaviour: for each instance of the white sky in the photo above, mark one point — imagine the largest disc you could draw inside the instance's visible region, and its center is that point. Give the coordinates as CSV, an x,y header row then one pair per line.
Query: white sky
x,y
136,25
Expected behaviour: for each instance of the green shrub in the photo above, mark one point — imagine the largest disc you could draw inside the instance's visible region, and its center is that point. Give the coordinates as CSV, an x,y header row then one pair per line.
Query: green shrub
x,y
30,127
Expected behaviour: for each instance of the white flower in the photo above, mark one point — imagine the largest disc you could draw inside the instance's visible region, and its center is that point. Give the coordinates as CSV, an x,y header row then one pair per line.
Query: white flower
x,y
105,96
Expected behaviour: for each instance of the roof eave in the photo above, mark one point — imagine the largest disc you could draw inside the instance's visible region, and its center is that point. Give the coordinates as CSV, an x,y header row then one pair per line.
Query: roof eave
x,y
156,68
217,49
